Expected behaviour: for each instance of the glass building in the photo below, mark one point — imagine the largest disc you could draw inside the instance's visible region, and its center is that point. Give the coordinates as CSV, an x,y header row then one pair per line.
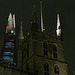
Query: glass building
x,y
8,57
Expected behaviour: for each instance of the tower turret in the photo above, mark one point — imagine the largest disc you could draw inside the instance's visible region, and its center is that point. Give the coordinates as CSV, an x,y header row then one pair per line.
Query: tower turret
x,y
21,31
42,25
35,26
58,31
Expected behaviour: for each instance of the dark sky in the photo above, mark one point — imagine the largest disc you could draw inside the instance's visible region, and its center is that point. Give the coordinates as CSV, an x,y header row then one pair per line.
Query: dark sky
x,y
24,8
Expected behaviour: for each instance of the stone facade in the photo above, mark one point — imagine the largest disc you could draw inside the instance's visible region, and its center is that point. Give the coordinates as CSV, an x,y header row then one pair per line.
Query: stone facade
x,y
33,58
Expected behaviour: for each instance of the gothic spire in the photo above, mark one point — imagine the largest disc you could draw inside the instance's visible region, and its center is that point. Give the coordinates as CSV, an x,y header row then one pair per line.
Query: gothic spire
x,y
34,15
42,26
35,26
58,31
21,31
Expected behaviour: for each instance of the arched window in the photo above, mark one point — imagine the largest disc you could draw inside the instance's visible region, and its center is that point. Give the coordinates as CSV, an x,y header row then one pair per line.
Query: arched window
x,y
46,69
45,48
56,69
54,51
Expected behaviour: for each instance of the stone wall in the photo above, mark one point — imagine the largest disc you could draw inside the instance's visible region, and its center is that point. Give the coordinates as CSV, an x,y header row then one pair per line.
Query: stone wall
x,y
9,71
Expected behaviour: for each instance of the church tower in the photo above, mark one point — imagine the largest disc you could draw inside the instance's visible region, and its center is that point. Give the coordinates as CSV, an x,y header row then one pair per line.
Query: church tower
x,y
42,53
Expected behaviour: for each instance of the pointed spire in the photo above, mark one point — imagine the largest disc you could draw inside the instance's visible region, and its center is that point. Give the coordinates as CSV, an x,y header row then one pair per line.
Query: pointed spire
x,y
34,18
58,31
14,21
21,31
34,26
10,23
10,20
10,17
42,26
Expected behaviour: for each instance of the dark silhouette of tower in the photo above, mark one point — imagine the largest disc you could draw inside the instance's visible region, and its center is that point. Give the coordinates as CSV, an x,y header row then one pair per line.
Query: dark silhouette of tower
x,y
8,57
42,53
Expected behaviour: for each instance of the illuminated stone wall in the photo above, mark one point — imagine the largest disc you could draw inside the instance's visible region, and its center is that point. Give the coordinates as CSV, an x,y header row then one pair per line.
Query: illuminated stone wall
x,y
33,58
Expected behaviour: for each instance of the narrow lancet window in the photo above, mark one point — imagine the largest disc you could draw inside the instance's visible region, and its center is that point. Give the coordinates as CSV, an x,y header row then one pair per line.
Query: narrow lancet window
x,y
45,48
54,51
56,70
46,69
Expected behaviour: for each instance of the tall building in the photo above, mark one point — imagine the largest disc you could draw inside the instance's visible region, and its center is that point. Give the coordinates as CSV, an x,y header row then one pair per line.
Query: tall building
x,y
8,57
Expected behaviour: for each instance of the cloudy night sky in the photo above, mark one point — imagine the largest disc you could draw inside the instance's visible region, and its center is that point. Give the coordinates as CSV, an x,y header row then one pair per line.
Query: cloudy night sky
x,y
24,8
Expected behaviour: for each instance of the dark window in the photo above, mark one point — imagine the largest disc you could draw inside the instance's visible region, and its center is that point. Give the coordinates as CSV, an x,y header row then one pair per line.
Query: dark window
x,y
9,45
55,55
27,50
54,48
27,68
44,45
56,69
45,52
54,51
45,48
46,69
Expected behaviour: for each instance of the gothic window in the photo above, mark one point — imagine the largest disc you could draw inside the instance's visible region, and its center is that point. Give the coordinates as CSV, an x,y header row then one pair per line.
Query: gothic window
x,y
45,48
46,69
54,51
56,70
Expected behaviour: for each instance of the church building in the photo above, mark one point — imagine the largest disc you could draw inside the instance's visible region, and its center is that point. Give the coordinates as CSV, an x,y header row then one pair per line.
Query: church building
x,y
41,53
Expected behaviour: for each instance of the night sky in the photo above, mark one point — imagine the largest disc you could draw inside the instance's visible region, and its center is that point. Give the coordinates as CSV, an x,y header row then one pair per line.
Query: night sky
x,y
24,8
